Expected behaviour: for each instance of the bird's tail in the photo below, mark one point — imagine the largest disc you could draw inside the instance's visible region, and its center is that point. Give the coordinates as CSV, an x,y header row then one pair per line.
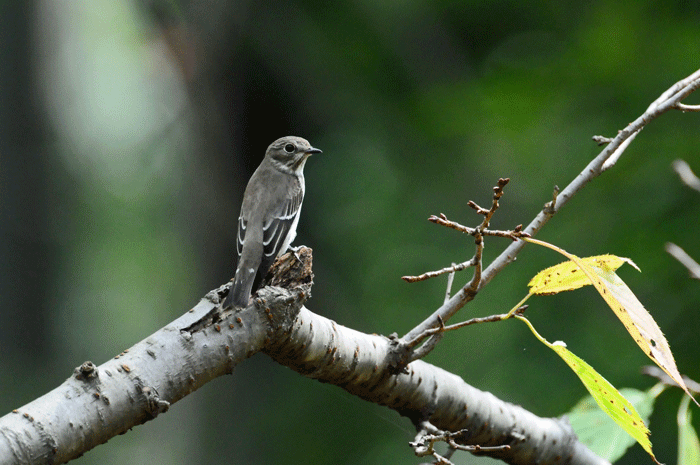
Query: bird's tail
x,y
242,285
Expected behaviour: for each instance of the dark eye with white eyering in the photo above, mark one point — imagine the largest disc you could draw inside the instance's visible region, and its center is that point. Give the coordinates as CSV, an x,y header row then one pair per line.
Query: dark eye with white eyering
x,y
289,148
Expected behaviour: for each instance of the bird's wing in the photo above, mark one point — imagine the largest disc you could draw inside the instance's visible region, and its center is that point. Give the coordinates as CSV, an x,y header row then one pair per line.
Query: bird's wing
x,y
278,219
245,272
278,225
242,225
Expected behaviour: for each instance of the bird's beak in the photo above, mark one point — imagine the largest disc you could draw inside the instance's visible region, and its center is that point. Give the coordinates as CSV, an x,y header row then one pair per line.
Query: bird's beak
x,y
312,150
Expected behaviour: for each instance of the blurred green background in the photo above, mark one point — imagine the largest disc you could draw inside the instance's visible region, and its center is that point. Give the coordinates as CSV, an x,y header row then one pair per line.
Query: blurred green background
x,y
129,129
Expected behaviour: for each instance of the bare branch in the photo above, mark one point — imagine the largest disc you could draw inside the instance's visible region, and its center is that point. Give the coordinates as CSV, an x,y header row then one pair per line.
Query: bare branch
x,y
431,274
97,403
361,364
481,211
424,443
685,259
485,319
549,207
435,335
442,220
441,329
497,194
602,140
450,280
477,232
403,349
685,108
426,432
686,174
656,372
617,153
667,101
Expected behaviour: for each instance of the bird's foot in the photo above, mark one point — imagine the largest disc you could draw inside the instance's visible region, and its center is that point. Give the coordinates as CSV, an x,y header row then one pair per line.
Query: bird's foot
x,y
295,251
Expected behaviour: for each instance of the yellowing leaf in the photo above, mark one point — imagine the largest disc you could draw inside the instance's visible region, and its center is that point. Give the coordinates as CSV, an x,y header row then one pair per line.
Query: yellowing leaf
x,y
604,393
627,307
568,276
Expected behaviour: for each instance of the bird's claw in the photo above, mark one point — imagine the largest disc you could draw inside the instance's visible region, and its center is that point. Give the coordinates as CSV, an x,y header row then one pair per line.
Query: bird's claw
x,y
295,251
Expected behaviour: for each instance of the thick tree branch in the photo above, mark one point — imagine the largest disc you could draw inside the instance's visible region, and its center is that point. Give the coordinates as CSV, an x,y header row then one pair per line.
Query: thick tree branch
x,y
97,403
362,365
132,388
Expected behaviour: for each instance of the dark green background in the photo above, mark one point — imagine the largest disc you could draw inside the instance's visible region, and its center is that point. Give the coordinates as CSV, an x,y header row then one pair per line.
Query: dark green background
x,y
128,131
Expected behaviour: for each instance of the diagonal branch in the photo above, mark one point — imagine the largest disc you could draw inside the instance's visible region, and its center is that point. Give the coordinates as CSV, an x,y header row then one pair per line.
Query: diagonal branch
x,y
685,172
685,259
99,402
670,99
361,364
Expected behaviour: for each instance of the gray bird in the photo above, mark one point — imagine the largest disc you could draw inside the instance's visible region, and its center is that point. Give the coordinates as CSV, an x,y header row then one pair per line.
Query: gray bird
x,y
269,214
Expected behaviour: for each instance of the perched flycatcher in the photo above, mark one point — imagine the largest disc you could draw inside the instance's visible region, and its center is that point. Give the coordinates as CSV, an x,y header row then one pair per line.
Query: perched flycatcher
x,y
269,214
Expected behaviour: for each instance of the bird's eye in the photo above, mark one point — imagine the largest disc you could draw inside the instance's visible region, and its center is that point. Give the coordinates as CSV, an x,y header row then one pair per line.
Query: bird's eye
x,y
289,148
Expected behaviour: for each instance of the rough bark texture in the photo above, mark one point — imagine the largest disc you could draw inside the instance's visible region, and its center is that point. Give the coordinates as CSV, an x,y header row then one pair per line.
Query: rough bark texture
x,y
97,403
362,365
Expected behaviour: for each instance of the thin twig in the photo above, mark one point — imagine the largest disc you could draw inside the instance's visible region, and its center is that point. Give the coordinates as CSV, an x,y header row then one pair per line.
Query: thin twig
x,y
497,194
656,372
472,321
686,174
477,448
683,107
424,443
473,285
450,280
435,336
685,259
481,211
602,140
480,230
432,274
443,221
667,101
615,156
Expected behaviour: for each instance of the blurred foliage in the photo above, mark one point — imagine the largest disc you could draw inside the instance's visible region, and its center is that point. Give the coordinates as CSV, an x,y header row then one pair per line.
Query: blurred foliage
x,y
129,129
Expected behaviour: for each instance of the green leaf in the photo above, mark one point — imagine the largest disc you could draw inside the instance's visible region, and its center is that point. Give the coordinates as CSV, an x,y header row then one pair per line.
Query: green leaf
x,y
688,444
606,396
599,432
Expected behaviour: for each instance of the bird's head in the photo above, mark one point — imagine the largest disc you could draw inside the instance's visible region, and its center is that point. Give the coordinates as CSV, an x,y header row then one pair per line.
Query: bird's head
x,y
290,153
